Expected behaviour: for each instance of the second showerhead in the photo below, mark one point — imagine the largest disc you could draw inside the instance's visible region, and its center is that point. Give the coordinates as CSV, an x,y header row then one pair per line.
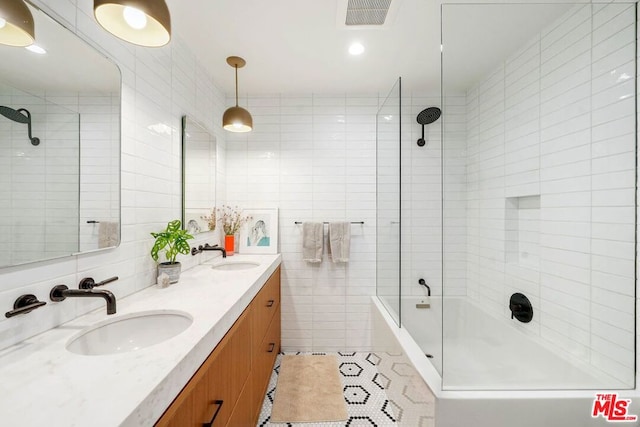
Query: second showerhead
x,y
426,117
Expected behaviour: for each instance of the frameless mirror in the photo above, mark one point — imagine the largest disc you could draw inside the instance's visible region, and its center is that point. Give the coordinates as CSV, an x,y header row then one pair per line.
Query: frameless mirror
x,y
198,176
59,147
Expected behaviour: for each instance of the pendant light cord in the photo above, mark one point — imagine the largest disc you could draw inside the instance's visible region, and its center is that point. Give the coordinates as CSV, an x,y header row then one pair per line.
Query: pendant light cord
x,y
236,67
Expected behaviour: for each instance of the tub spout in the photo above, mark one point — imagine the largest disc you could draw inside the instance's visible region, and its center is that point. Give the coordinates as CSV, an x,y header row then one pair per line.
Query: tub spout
x,y
422,282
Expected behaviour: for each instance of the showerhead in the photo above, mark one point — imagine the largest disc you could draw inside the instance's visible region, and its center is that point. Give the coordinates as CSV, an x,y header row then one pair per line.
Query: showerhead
x,y
15,115
21,115
426,117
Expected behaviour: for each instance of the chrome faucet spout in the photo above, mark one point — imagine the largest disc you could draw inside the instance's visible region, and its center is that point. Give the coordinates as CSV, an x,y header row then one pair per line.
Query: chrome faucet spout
x,y
62,292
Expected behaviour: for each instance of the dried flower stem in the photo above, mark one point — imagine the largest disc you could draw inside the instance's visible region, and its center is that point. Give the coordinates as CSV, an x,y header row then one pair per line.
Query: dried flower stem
x,y
231,219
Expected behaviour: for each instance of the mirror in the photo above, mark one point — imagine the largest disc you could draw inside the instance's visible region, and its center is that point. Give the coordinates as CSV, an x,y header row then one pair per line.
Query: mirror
x,y
59,147
198,175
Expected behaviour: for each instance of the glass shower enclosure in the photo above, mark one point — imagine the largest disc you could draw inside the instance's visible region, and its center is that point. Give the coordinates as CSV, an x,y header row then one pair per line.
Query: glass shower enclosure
x,y
530,186
388,131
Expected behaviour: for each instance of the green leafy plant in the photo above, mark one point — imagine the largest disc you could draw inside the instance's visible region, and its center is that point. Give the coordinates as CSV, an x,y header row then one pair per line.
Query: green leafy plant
x,y
173,241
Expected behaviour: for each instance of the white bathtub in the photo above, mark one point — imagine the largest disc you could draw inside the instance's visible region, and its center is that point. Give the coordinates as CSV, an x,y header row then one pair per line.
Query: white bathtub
x,y
478,389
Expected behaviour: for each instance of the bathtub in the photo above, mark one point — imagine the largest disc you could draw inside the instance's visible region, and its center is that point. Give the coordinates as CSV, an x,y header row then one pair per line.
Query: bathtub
x,y
477,389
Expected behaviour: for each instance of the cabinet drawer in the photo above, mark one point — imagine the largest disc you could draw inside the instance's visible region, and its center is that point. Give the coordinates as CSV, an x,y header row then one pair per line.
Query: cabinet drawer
x,y
226,375
264,359
215,387
264,307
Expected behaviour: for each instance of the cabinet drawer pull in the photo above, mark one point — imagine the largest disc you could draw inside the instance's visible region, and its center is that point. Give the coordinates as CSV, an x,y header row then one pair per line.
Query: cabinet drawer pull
x,y
215,414
271,347
270,303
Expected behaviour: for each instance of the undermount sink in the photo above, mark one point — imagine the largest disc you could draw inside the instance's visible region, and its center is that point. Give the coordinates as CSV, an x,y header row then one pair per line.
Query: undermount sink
x,y
129,332
235,265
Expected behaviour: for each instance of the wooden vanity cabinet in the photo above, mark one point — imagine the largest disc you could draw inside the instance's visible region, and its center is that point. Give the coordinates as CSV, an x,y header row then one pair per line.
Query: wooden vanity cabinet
x,y
230,385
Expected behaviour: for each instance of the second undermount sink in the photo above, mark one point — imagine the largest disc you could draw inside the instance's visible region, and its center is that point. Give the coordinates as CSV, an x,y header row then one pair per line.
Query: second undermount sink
x,y
235,265
129,332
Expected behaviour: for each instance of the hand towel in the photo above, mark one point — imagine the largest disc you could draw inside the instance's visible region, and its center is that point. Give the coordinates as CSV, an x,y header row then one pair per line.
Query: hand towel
x,y
108,234
312,241
340,241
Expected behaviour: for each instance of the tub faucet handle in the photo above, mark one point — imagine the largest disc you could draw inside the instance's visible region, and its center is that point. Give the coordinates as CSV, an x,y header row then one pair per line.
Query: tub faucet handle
x,y
521,308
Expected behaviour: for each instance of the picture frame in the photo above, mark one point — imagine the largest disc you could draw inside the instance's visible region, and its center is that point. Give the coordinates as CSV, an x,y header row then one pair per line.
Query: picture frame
x,y
260,234
193,221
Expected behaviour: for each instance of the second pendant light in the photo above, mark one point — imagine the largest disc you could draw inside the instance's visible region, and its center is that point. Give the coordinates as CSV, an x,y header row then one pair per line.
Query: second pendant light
x,y
237,119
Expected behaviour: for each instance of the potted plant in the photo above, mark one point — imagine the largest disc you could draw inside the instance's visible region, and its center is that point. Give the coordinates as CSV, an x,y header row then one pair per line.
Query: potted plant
x,y
172,241
231,219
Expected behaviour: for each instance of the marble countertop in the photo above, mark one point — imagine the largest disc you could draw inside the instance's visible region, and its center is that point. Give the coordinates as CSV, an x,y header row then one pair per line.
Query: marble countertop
x,y
42,383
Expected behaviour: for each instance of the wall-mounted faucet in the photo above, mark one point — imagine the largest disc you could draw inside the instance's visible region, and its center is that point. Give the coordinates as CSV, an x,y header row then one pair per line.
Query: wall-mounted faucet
x,y
422,282
62,292
208,247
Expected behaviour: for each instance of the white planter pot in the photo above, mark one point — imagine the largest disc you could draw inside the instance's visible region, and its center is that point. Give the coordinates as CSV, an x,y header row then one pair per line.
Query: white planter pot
x,y
171,270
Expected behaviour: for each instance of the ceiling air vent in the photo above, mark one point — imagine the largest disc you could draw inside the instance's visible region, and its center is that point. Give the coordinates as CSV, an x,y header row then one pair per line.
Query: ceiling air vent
x,y
367,12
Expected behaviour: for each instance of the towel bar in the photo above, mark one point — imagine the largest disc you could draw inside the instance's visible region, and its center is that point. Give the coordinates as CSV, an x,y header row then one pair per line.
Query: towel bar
x,y
352,222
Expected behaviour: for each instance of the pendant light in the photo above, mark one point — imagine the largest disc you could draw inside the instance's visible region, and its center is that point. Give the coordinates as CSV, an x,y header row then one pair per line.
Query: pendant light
x,y
237,119
16,23
142,22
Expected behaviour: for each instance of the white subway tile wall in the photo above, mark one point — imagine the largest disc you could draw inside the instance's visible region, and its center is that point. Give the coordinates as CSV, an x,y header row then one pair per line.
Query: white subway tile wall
x,y
550,186
313,157
99,163
159,86
39,183
422,196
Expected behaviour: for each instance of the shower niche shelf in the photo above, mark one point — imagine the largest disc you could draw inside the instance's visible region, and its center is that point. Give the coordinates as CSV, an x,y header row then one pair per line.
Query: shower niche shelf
x,y
522,231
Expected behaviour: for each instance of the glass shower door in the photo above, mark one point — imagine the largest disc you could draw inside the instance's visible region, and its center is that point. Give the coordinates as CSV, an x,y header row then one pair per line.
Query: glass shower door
x,y
388,202
549,187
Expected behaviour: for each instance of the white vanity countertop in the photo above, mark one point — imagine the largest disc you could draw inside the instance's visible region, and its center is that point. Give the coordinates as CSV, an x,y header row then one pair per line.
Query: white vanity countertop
x,y
42,383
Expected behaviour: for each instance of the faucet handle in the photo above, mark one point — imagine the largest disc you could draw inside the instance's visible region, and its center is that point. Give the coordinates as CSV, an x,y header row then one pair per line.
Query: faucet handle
x,y
89,283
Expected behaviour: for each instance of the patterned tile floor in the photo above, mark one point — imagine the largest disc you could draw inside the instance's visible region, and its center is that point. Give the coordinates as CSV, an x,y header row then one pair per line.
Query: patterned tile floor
x,y
364,392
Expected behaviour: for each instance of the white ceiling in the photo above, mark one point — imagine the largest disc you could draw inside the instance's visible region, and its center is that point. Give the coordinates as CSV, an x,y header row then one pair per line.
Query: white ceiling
x,y
294,46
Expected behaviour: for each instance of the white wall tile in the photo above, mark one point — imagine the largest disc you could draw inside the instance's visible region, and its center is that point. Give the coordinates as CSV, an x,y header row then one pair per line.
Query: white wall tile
x,y
569,137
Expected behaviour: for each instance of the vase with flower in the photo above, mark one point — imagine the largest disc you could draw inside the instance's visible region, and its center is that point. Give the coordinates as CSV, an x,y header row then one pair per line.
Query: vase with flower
x,y
231,219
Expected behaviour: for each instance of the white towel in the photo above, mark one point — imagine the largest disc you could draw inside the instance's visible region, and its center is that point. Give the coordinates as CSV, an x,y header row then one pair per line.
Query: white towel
x,y
108,234
340,241
312,241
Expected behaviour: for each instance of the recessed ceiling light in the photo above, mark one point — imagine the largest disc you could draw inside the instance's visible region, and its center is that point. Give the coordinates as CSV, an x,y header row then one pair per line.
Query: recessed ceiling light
x,y
356,49
36,49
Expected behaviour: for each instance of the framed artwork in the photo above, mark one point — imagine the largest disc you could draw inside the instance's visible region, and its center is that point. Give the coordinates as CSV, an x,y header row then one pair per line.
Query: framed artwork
x,y
260,234
193,221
